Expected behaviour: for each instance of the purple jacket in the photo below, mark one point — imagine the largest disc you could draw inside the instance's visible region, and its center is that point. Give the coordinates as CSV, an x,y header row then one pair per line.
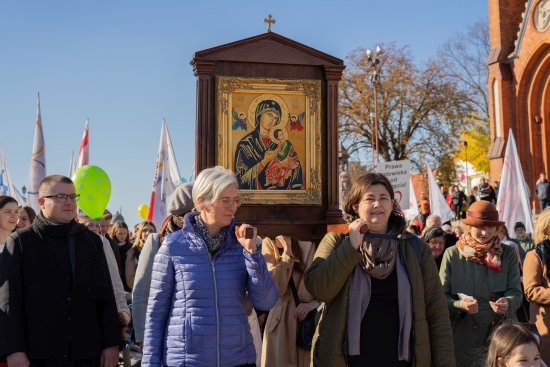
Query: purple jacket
x,y
196,312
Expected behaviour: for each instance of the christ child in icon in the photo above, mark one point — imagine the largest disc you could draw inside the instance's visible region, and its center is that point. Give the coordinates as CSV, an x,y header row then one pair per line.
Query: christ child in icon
x,y
286,159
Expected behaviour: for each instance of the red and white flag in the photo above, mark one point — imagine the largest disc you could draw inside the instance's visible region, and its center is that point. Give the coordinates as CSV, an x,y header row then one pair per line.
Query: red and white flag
x,y
167,178
438,205
38,162
513,197
83,152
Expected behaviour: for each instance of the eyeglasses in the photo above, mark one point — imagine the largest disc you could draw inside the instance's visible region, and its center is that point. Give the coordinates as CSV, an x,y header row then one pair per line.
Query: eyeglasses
x,y
62,198
228,203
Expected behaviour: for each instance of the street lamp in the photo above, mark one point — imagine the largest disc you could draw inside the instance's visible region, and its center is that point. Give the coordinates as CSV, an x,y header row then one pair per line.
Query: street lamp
x,y
24,191
372,140
466,154
373,62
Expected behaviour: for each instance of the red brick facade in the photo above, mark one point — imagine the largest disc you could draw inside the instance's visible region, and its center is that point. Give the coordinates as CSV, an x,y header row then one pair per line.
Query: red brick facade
x,y
519,84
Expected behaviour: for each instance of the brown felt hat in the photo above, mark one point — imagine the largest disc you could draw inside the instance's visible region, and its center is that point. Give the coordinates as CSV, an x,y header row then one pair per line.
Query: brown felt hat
x,y
482,213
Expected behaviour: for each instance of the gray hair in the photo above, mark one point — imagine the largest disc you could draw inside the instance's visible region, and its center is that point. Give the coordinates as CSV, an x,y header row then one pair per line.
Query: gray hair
x,y
432,218
210,183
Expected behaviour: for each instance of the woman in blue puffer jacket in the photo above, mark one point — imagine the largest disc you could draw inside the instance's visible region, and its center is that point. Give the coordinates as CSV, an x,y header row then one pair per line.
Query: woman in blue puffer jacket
x,y
196,312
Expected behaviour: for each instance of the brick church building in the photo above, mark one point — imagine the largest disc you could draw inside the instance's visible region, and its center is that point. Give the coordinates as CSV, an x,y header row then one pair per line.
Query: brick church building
x,y
519,84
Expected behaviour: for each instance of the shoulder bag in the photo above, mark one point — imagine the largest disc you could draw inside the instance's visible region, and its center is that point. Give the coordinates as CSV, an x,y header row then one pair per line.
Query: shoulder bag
x,y
306,327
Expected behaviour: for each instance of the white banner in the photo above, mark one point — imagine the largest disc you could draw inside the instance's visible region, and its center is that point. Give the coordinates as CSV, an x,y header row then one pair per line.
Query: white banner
x,y
513,199
167,178
438,205
412,212
399,174
38,162
6,185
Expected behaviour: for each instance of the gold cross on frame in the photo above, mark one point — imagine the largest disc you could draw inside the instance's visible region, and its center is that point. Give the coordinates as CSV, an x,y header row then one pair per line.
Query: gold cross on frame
x,y
269,20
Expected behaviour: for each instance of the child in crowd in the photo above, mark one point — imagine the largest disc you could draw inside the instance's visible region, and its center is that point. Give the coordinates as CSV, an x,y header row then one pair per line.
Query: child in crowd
x,y
512,345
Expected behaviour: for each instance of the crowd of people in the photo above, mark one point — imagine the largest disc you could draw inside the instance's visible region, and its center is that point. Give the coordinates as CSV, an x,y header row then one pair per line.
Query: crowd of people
x,y
202,290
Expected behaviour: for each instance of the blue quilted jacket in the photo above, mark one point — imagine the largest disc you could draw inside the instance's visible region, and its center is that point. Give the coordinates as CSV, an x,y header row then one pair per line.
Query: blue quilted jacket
x,y
196,312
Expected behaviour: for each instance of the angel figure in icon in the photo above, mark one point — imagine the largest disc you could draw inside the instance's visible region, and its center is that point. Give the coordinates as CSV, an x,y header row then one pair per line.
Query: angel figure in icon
x,y
296,122
240,121
286,159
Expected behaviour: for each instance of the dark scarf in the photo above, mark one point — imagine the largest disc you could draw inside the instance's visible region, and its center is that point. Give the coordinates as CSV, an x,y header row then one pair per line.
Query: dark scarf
x,y
378,256
543,251
88,265
211,243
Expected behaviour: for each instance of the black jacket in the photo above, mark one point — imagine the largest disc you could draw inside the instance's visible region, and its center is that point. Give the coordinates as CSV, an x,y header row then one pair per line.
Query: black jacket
x,y
485,190
542,190
458,198
39,314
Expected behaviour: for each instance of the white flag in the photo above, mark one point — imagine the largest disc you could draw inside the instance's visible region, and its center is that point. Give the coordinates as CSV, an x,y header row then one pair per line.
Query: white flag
x,y
83,152
438,205
513,199
167,178
38,162
6,185
412,212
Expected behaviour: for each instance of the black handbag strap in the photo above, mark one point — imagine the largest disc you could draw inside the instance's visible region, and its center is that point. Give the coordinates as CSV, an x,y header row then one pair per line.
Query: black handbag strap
x,y
294,291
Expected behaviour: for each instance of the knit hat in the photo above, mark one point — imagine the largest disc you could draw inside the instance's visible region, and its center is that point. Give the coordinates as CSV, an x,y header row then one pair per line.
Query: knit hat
x,y
182,200
482,213
433,232
519,225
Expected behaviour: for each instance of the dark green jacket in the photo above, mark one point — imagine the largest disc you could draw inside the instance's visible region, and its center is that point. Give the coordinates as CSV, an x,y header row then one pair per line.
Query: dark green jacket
x,y
328,281
459,275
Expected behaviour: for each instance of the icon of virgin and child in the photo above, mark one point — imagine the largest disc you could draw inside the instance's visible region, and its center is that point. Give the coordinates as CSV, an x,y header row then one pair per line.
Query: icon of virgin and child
x,y
265,159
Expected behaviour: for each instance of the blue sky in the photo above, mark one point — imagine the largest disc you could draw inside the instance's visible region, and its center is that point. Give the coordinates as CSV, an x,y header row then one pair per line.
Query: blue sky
x,y
125,66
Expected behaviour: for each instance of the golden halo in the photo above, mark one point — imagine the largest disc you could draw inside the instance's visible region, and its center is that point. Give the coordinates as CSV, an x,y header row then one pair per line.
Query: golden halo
x,y
268,97
272,133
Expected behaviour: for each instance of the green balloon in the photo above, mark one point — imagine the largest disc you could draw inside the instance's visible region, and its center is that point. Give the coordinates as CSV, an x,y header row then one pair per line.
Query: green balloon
x,y
94,187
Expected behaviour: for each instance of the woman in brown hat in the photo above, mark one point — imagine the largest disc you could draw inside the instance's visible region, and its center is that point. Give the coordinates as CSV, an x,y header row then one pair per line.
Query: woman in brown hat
x,y
481,281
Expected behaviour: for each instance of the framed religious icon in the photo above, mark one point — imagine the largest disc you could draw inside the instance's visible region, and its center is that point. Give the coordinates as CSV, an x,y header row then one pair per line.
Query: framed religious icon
x,y
269,134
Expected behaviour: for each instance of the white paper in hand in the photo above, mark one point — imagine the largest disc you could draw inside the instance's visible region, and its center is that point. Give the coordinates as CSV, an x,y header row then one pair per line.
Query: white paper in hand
x,y
462,296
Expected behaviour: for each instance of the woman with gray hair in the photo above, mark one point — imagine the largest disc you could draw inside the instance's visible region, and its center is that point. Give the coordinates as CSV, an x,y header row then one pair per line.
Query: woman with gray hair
x,y
196,314
435,238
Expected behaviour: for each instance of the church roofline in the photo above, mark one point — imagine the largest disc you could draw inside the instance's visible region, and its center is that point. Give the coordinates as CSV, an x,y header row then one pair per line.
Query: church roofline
x,y
521,32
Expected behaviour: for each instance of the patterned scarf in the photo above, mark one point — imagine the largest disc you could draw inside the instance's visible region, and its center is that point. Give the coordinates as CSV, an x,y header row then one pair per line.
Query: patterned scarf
x,y
543,251
481,253
211,243
88,264
378,256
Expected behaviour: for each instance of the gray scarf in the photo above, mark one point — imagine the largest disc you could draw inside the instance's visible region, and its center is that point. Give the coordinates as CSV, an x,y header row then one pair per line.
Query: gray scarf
x,y
358,302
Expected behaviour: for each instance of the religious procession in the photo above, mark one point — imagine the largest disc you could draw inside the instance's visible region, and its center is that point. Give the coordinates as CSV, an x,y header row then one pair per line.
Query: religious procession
x,y
298,241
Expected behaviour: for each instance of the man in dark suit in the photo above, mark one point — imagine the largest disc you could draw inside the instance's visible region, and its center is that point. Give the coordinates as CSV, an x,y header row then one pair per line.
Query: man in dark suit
x,y
57,306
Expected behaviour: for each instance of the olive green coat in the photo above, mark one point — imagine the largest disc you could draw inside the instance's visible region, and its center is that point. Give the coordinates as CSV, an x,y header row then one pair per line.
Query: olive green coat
x,y
328,281
459,275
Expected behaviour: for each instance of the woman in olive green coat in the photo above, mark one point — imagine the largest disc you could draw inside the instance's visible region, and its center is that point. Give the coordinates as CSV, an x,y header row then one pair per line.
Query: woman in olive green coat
x,y
481,281
384,305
